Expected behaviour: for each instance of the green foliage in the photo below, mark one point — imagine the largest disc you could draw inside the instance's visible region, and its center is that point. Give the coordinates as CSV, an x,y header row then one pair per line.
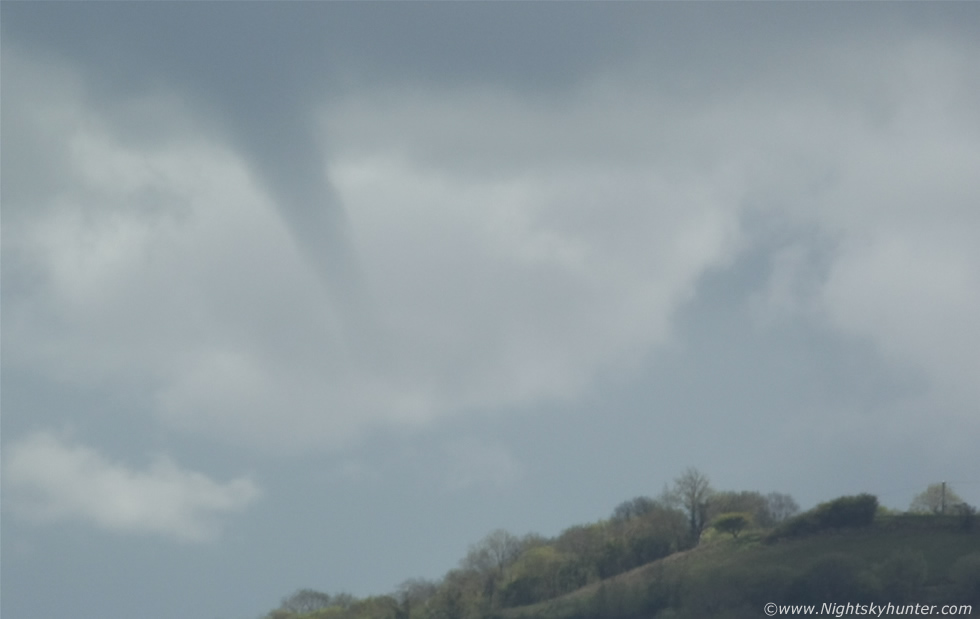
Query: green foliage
x,y
634,508
934,500
836,576
375,607
967,516
747,502
760,584
631,566
306,601
964,575
727,577
798,526
455,599
542,573
732,523
902,576
642,532
766,511
848,511
841,513
582,540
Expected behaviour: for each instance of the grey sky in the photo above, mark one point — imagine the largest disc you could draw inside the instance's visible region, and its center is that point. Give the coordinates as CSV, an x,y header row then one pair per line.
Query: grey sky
x,y
316,295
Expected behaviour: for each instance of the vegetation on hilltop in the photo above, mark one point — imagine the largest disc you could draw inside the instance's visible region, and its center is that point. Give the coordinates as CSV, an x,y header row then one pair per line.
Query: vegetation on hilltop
x,y
693,552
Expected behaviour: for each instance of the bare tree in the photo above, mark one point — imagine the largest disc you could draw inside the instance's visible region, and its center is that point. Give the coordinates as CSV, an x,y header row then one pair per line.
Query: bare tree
x,y
494,552
779,507
692,492
490,556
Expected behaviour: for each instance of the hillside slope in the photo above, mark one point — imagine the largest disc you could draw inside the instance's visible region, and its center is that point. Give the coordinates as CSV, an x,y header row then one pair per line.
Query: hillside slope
x,y
897,562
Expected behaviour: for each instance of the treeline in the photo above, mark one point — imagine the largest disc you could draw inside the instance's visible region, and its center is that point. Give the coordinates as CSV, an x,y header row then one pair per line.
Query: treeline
x,y
504,571
806,571
844,512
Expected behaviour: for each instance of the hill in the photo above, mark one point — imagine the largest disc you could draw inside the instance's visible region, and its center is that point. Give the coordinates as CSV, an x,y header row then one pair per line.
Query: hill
x,y
899,560
697,553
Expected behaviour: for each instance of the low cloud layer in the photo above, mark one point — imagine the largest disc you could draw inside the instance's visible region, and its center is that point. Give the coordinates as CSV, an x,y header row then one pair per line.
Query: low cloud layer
x,y
51,479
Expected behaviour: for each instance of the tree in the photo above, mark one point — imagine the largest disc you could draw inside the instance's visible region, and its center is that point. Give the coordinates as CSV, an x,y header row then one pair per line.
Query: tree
x,y
306,601
494,552
634,508
414,593
343,600
582,539
655,534
585,543
692,491
459,595
767,511
732,522
541,573
932,500
748,502
490,556
779,507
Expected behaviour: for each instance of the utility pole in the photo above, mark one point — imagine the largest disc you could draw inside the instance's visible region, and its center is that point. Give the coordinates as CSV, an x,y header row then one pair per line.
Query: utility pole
x,y
942,508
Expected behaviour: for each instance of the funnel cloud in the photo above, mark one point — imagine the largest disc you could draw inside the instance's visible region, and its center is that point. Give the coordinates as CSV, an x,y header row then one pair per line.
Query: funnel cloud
x,y
325,292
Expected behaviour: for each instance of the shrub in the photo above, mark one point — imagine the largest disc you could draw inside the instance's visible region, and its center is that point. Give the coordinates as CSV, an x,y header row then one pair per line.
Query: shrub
x,y
967,516
843,512
798,526
732,523
848,511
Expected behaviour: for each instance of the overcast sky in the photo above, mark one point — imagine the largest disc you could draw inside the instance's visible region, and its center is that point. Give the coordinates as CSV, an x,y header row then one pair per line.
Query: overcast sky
x,y
317,295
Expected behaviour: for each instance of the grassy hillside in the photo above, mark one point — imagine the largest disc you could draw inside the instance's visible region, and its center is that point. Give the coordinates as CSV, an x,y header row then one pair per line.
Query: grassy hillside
x,y
910,560
692,554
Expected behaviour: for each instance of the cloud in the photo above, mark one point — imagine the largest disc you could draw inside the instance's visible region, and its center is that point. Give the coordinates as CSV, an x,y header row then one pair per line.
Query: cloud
x,y
918,298
51,479
166,265
898,207
510,249
473,462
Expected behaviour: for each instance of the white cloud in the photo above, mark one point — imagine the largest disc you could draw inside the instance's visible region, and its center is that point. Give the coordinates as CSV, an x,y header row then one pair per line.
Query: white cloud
x,y
51,480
